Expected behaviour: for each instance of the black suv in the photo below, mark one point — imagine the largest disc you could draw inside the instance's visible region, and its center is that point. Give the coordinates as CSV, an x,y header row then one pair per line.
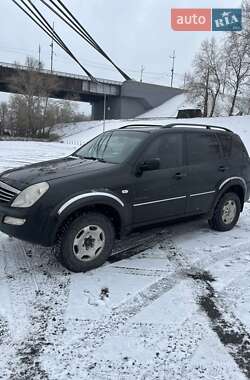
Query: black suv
x,y
137,175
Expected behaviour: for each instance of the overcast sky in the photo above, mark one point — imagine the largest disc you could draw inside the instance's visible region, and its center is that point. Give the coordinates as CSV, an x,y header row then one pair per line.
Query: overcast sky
x,y
132,32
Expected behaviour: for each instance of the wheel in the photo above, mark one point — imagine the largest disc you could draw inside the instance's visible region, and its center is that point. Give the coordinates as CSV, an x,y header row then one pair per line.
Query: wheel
x,y
226,213
86,242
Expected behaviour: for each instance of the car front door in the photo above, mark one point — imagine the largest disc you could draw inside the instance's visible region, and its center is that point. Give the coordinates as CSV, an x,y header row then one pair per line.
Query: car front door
x,y
161,193
205,169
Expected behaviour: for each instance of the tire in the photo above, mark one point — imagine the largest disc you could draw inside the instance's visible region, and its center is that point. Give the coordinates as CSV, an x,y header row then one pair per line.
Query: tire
x,y
86,242
226,213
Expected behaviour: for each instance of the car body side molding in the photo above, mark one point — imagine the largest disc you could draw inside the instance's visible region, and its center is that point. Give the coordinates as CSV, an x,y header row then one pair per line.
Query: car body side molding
x,y
200,194
158,201
88,195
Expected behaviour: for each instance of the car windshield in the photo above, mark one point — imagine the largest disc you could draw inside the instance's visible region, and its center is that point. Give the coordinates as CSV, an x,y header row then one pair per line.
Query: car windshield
x,y
114,147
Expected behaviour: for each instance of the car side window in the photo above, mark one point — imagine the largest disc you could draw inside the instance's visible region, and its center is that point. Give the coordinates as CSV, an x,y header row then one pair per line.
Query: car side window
x,y
202,148
226,142
168,148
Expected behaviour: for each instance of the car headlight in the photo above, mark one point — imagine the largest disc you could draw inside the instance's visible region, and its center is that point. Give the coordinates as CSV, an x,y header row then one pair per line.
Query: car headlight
x,y
29,196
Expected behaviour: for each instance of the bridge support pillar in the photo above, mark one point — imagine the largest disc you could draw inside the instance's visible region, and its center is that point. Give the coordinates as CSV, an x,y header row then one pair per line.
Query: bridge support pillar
x,y
135,99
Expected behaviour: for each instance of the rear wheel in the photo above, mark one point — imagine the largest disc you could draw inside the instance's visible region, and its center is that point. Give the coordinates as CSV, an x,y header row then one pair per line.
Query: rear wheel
x,y
226,212
86,242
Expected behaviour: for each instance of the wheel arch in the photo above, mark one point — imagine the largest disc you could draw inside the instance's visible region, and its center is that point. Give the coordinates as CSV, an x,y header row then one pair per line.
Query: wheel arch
x,y
107,206
235,185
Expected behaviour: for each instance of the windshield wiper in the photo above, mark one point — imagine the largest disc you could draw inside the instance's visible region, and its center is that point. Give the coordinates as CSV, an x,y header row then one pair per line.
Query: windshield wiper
x,y
94,158
101,160
89,158
74,157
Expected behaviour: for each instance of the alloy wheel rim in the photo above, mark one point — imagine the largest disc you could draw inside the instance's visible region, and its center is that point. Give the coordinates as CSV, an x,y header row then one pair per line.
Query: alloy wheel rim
x,y
229,211
89,243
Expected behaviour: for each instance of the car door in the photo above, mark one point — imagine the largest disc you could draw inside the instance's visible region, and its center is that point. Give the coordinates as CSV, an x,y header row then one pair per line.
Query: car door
x,y
161,194
205,169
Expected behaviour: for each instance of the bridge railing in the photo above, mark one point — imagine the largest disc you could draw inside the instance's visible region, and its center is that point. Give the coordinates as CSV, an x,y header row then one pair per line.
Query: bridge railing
x,y
60,73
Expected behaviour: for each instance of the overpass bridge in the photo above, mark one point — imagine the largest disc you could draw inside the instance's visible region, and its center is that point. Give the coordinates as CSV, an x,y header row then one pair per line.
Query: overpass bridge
x,y
123,99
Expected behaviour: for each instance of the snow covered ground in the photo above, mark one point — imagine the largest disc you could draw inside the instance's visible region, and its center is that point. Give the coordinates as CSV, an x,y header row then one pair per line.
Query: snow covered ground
x,y
170,108
172,303
79,133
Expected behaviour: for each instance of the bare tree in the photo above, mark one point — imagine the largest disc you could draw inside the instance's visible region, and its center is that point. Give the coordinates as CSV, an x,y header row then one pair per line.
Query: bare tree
x,y
246,15
236,54
3,117
34,89
204,84
32,113
216,69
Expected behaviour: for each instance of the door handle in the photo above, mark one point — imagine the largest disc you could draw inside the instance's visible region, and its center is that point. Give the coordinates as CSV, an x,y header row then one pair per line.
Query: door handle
x,y
180,175
223,168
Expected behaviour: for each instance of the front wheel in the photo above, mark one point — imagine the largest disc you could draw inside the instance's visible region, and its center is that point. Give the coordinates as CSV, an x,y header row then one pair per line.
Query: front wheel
x,y
226,213
86,242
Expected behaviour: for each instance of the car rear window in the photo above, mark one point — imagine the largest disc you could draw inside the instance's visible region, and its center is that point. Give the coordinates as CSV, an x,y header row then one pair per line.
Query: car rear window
x,y
238,149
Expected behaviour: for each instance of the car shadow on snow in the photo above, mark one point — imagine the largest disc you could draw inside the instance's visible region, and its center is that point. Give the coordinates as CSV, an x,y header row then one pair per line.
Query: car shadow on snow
x,y
29,257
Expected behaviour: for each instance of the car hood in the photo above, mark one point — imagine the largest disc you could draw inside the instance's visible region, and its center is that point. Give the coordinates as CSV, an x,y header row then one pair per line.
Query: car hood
x,y
49,170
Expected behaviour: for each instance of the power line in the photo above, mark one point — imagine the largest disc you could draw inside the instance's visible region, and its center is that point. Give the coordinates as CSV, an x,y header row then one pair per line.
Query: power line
x,y
67,16
94,64
56,36
97,46
148,75
40,21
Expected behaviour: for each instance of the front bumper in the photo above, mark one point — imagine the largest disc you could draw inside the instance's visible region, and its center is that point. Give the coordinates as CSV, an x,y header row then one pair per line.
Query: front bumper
x,y
36,228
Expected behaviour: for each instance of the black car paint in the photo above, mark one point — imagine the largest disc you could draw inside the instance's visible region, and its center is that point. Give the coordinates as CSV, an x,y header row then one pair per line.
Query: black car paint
x,y
70,177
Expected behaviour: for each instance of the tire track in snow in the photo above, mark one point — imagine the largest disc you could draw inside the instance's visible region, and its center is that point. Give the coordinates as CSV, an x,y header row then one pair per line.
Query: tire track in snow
x,y
124,312
171,351
229,329
219,255
143,298
38,297
20,282
4,331
93,333
45,324
5,348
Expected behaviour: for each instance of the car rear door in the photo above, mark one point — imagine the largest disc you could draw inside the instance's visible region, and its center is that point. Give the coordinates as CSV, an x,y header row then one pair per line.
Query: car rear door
x,y
205,169
161,194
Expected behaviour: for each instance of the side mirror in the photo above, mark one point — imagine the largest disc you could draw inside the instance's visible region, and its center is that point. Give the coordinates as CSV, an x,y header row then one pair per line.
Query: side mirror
x,y
149,165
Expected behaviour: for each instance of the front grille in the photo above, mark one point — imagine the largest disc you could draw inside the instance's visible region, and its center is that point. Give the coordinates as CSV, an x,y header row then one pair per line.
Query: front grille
x,y
7,193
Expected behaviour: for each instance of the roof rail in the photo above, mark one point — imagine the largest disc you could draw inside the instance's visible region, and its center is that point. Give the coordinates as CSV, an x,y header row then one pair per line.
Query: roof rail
x,y
143,125
197,125
172,125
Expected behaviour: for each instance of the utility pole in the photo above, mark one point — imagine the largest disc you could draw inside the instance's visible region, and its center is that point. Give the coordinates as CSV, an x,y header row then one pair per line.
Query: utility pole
x,y
39,58
173,67
52,51
185,80
142,71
